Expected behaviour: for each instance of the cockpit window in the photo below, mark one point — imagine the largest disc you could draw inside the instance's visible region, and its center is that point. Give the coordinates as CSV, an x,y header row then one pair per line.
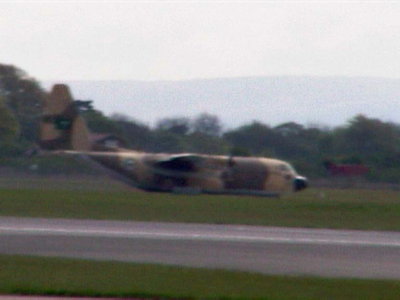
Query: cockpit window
x,y
285,168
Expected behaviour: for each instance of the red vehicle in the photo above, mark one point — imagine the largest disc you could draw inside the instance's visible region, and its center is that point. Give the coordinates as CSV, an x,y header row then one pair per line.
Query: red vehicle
x,y
346,169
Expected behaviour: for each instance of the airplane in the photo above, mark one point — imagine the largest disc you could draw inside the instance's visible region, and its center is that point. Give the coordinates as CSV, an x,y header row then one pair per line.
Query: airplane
x,y
64,132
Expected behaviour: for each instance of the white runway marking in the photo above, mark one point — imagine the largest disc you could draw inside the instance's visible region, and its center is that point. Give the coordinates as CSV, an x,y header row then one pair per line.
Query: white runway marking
x,y
269,250
193,236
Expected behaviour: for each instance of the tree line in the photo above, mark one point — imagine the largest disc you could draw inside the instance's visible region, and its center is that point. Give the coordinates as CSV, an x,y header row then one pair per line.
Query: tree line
x,y
362,140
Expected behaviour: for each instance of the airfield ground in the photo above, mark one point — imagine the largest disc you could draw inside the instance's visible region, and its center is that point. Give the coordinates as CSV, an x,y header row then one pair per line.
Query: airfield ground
x,y
85,198
67,277
89,198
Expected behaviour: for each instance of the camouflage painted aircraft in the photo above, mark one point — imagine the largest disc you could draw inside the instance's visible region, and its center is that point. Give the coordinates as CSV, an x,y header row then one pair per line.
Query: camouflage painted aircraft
x,y
63,130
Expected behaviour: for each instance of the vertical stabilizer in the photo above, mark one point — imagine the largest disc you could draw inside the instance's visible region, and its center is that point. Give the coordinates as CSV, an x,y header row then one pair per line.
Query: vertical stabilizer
x,y
61,126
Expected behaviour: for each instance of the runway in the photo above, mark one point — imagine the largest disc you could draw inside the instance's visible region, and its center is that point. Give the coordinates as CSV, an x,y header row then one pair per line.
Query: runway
x,y
268,250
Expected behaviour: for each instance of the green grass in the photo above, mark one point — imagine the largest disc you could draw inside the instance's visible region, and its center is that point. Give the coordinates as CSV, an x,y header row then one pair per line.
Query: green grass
x,y
76,183
356,209
54,276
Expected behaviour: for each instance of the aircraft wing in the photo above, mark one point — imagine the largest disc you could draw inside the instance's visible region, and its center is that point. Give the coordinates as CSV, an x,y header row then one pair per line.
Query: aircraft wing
x,y
180,163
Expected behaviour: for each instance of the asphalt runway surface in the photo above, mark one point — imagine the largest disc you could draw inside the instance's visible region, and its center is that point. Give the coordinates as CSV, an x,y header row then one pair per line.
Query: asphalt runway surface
x,y
268,250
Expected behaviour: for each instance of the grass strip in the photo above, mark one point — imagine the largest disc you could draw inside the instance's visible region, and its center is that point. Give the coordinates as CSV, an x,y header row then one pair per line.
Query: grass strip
x,y
56,276
350,209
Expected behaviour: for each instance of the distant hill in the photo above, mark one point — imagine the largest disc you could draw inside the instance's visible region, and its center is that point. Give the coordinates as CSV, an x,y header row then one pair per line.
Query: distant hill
x,y
272,100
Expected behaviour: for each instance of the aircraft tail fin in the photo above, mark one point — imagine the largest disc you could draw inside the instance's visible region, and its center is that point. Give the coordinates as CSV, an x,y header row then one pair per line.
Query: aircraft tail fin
x,y
61,127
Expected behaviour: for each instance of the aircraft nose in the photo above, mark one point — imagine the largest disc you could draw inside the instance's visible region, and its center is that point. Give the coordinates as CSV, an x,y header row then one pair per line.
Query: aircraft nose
x,y
300,183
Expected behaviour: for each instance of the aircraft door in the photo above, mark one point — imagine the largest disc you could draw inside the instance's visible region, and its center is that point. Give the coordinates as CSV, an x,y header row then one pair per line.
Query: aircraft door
x,y
245,174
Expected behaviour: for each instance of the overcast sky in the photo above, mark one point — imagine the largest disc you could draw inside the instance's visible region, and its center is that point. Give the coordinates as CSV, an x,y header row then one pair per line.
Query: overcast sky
x,y
187,40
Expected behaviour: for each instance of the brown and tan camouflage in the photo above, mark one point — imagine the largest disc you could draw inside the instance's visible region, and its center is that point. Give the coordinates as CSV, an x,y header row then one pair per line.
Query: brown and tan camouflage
x,y
63,129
